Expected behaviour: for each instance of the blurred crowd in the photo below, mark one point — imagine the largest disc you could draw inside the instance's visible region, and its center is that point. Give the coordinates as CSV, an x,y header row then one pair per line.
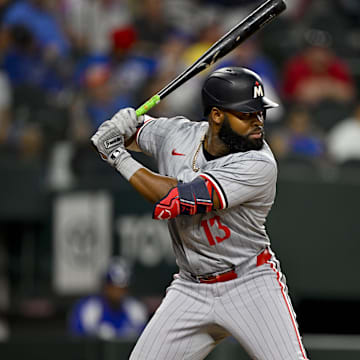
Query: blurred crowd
x,y
68,65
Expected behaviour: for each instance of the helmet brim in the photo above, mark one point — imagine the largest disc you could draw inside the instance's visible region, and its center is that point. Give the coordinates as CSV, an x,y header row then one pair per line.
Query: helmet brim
x,y
253,105
269,104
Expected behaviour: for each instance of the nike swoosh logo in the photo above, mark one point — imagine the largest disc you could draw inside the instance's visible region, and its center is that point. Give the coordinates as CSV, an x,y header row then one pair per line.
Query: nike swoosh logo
x,y
176,153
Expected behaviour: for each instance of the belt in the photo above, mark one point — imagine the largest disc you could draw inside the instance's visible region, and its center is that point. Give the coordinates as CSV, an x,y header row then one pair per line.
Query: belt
x,y
261,259
225,276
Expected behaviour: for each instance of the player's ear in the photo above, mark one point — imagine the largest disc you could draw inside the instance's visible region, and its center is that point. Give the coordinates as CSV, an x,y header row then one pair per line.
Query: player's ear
x,y
216,116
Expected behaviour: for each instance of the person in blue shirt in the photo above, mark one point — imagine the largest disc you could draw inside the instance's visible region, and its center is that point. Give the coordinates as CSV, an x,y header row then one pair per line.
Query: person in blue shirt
x,y
113,313
299,140
35,15
25,64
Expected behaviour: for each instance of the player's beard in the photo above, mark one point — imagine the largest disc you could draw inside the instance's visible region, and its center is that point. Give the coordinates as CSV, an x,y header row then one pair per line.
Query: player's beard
x,y
236,142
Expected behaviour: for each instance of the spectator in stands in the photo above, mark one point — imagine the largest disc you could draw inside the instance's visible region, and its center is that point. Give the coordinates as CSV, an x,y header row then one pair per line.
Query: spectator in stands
x,y
151,23
317,74
89,23
105,83
298,140
37,17
184,16
26,64
108,82
113,313
131,64
102,101
343,140
96,101
35,87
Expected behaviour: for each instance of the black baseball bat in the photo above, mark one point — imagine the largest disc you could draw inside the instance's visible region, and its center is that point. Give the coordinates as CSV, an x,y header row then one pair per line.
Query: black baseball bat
x,y
261,16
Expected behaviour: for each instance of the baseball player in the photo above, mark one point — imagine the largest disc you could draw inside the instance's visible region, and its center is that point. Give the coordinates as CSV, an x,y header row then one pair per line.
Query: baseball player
x,y
216,185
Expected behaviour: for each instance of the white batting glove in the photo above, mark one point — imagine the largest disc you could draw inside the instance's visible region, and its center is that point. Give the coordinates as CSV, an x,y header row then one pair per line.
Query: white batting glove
x,y
127,121
111,146
109,142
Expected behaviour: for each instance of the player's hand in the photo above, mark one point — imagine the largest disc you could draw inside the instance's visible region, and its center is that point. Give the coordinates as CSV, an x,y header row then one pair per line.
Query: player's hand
x,y
127,121
109,142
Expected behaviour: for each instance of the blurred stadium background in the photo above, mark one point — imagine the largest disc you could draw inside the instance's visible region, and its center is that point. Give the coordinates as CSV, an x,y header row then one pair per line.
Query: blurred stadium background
x,y
68,65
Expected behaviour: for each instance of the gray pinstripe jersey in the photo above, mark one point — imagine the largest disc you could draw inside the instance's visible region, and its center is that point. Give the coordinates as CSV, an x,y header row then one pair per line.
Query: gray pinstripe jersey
x,y
245,183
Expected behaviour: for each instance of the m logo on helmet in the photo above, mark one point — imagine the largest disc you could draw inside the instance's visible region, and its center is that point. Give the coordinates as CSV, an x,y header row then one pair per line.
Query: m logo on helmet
x,y
258,90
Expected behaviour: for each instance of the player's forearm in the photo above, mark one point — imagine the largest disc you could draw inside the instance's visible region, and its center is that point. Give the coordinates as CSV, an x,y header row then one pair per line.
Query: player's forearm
x,y
150,185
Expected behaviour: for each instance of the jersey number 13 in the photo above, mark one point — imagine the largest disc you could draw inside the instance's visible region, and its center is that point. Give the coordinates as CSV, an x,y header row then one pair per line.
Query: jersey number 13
x,y
207,224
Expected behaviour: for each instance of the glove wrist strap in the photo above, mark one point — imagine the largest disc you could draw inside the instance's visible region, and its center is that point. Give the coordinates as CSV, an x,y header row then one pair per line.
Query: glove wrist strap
x,y
127,166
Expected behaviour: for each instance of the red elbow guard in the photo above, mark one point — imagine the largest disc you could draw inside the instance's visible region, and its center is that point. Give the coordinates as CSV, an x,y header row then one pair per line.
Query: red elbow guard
x,y
168,207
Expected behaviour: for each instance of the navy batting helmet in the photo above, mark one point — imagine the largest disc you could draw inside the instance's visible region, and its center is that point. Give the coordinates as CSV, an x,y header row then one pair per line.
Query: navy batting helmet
x,y
235,88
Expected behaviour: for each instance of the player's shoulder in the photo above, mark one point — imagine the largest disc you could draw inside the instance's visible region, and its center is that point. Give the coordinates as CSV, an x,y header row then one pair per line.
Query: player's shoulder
x,y
264,155
171,122
254,163
169,125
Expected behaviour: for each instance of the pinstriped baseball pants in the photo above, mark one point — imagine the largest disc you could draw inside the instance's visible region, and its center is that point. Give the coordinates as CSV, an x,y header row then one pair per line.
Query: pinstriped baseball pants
x,y
193,317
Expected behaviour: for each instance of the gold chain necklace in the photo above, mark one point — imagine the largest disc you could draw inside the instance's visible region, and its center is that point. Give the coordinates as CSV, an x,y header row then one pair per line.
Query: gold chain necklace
x,y
196,169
